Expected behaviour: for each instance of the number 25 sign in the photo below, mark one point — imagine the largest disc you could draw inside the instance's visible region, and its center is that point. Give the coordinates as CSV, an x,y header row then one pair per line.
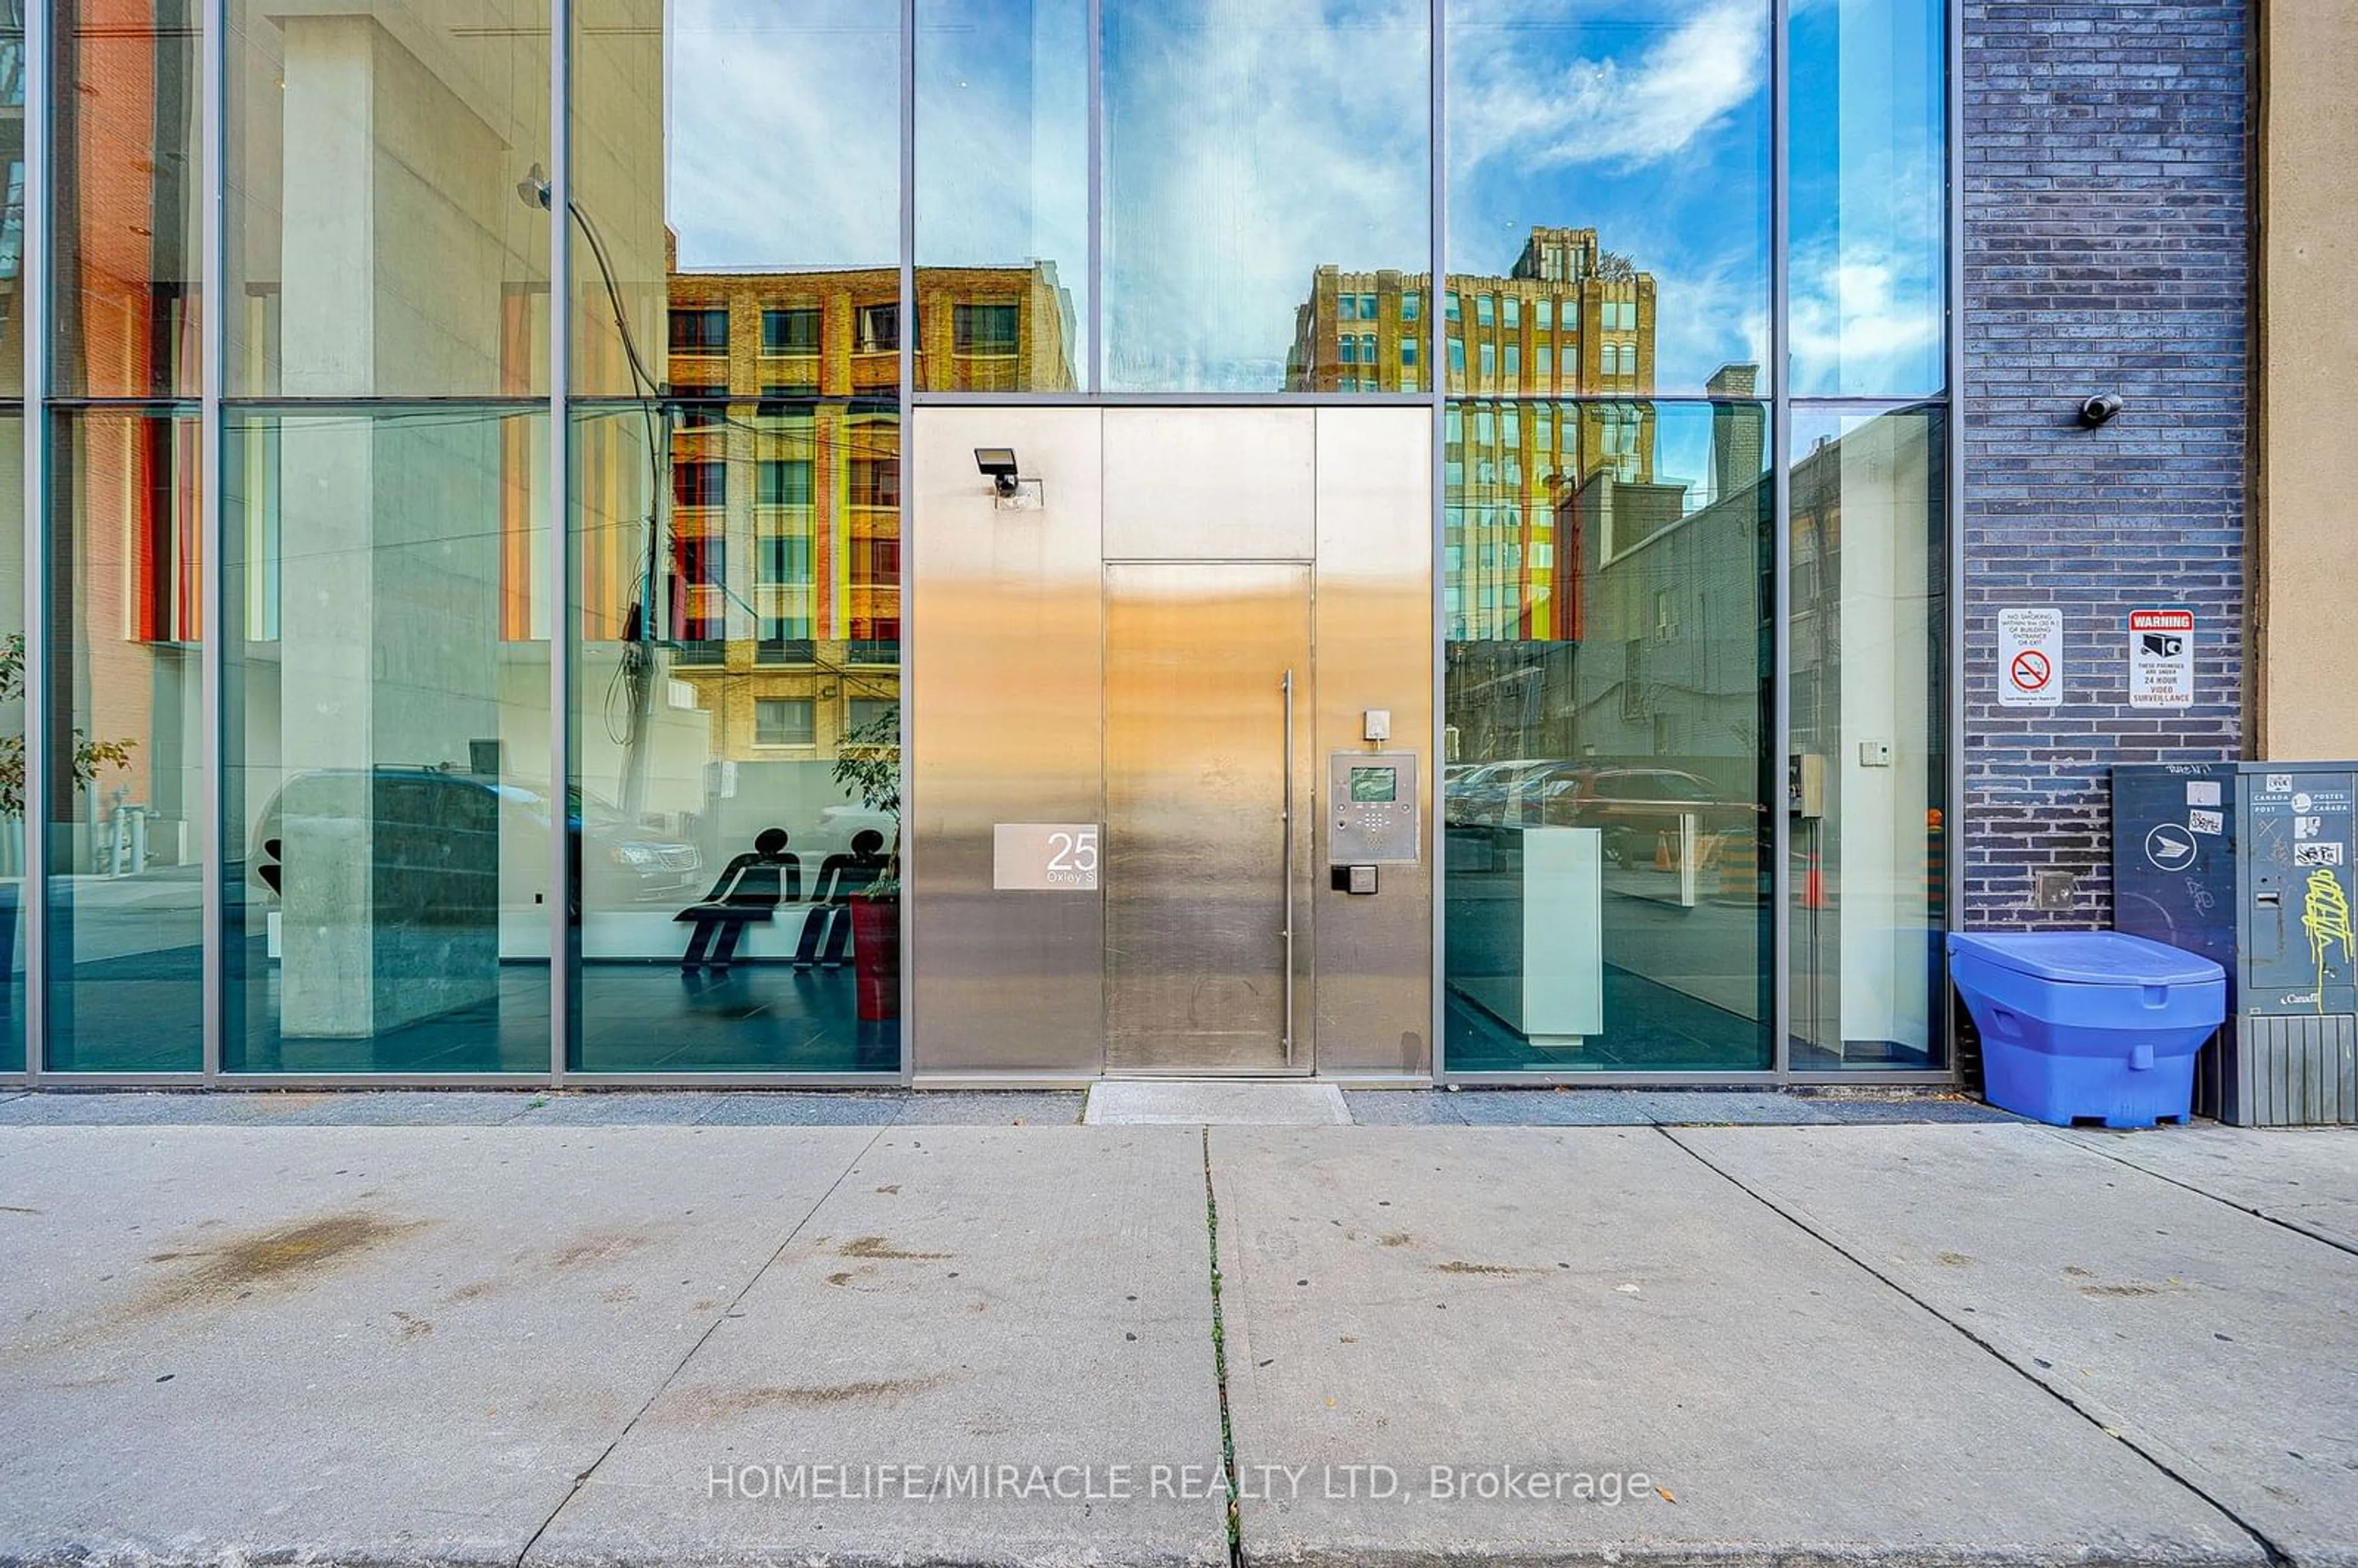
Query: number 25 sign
x,y
1044,857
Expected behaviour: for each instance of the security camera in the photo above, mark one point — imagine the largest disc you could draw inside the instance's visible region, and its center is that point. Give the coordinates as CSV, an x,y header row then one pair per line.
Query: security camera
x,y
2098,409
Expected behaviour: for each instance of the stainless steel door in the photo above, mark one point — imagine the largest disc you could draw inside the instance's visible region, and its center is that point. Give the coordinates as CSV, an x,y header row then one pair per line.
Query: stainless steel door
x,y
1207,664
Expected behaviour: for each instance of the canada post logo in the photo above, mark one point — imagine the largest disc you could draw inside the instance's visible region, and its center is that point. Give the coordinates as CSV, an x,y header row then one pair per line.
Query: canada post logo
x,y
2170,847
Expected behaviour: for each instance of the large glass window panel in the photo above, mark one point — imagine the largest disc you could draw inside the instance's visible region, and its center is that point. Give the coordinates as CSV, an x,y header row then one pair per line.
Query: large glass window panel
x,y
752,143
126,831
736,517
1607,668
737,740
388,803
1868,173
385,232
1002,194
12,736
1869,600
1614,153
125,208
1262,164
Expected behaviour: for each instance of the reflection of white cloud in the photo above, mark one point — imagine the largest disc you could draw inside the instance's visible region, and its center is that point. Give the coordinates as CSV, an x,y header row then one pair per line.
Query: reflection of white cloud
x,y
1646,120
1714,315
784,141
1866,316
1864,323
1628,109
1247,143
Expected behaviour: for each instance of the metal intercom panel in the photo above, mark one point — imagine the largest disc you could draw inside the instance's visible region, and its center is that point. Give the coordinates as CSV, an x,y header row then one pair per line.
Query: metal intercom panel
x,y
1371,813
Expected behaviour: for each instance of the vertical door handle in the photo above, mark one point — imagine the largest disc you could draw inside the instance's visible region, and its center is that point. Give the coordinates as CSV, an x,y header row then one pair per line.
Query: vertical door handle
x,y
1287,930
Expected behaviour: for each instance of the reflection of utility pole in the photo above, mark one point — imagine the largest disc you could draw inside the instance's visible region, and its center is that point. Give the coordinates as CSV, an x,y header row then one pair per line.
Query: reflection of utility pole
x,y
631,699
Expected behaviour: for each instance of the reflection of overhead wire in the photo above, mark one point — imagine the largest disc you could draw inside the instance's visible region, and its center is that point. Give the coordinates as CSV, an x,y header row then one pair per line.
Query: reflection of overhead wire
x,y
634,675
628,695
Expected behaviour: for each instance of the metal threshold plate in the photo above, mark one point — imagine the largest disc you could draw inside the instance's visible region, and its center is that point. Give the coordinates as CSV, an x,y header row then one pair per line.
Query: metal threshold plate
x,y
1227,1102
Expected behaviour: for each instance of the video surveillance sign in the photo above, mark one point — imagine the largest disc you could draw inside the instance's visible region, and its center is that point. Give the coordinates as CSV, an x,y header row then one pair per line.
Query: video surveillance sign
x,y
2161,658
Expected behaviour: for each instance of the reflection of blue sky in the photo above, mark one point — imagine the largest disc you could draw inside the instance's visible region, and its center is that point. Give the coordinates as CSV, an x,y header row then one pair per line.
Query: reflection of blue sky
x,y
1002,135
1646,120
1867,224
1249,141
1002,132
1246,141
783,140
1682,452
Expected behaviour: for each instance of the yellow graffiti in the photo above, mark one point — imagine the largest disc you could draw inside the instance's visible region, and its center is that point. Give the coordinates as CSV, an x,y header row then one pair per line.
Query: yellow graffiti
x,y
2325,915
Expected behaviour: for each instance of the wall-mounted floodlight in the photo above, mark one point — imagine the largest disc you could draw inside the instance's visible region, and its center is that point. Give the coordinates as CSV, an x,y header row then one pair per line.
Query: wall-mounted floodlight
x,y
534,189
2099,409
997,465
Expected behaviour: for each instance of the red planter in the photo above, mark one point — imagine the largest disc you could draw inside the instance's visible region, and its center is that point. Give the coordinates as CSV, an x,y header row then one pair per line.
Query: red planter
x,y
876,954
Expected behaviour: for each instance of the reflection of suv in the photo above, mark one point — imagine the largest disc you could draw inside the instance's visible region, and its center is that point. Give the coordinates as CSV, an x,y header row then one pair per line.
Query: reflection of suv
x,y
453,829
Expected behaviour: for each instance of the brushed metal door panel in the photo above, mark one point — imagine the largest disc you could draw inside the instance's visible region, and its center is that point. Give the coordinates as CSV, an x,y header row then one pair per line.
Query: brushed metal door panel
x,y
1197,761
1004,635
1210,484
1375,650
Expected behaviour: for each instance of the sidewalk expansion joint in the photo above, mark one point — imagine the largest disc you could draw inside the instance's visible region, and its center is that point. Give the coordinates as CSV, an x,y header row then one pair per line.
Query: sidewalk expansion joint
x,y
2275,1554
729,1309
1220,1361
2335,1243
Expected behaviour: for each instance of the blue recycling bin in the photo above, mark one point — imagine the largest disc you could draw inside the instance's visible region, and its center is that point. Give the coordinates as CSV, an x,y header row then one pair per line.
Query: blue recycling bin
x,y
2088,1026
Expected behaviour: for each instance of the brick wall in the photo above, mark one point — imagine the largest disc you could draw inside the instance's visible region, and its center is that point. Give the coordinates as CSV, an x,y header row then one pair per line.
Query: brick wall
x,y
2105,250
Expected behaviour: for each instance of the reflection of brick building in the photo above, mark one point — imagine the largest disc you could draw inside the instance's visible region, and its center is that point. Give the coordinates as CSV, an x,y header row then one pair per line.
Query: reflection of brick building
x,y
1652,646
1569,322
781,568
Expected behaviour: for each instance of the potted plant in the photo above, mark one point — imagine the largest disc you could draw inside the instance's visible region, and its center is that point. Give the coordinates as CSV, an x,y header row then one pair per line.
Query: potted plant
x,y
89,756
867,765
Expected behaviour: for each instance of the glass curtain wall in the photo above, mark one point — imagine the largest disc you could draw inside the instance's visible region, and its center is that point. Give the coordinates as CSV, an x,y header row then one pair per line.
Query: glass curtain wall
x,y
387,804
1655,436
1611,536
738,334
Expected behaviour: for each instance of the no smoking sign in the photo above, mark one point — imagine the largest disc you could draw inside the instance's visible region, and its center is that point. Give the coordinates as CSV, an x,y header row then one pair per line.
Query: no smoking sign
x,y
2030,658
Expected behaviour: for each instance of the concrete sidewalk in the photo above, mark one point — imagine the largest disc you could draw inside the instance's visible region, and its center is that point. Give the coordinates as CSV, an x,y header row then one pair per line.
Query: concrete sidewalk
x,y
553,1342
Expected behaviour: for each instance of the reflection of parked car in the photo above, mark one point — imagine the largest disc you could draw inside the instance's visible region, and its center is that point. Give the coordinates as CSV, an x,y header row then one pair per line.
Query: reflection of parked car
x,y
1630,805
434,822
1480,793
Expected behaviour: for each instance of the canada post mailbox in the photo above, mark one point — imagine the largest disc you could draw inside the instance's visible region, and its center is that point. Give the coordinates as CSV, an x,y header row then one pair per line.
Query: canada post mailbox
x,y
2252,865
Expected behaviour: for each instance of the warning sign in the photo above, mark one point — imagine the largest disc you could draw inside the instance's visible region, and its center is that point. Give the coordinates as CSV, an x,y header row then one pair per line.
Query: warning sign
x,y
2161,658
2030,658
